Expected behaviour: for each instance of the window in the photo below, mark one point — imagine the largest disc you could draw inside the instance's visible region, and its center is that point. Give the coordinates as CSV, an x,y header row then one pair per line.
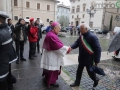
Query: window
x,y
78,9
38,5
77,16
48,7
28,4
15,17
84,6
15,2
73,10
27,17
47,20
72,16
83,15
38,18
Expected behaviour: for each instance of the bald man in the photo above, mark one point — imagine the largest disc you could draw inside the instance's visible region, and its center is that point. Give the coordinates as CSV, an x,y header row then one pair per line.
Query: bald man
x,y
89,52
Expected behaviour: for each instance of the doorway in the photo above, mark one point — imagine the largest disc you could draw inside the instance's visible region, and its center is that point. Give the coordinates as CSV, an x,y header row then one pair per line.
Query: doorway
x,y
77,23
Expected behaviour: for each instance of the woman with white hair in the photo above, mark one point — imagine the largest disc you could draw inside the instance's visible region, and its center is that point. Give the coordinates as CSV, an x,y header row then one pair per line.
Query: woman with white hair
x,y
89,52
52,58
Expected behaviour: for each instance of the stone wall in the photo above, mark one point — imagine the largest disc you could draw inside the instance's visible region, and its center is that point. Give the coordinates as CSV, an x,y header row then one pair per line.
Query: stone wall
x,y
108,18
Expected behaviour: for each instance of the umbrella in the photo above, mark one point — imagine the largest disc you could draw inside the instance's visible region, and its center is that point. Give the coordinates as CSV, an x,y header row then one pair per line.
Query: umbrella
x,y
115,43
97,70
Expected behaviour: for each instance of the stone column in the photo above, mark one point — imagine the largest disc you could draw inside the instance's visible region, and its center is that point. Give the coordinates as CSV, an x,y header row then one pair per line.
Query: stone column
x,y
5,5
8,8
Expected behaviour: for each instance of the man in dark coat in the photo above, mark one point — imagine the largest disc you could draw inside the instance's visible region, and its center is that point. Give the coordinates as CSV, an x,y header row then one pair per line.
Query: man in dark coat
x,y
20,38
39,35
5,49
13,57
11,27
87,55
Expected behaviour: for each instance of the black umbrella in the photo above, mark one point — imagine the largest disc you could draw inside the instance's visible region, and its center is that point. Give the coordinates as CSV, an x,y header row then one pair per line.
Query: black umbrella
x,y
97,70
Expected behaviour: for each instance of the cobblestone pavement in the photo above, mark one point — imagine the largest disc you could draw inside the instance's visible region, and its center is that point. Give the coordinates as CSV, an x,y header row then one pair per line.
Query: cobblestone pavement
x,y
109,82
29,75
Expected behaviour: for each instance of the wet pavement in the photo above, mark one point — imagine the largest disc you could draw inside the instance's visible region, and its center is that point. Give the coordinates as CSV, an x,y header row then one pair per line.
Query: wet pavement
x,y
29,74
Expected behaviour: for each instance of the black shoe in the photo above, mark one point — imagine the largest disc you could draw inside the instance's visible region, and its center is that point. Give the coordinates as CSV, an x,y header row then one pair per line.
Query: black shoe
x,y
13,79
74,84
113,57
23,59
95,83
54,85
10,87
31,58
17,62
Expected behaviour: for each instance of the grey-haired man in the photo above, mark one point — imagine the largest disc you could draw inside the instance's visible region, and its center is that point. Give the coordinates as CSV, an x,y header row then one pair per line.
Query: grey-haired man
x,y
89,52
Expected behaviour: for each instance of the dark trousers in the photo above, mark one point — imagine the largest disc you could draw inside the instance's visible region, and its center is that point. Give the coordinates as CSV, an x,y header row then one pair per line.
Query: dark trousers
x,y
3,85
117,52
32,46
38,45
79,73
9,79
19,48
8,83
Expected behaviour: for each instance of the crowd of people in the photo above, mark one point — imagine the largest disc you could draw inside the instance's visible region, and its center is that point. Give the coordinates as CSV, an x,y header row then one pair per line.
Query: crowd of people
x,y
20,33
53,50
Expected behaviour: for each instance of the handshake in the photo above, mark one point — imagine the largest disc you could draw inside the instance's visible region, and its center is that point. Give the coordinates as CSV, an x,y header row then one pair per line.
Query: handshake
x,y
69,50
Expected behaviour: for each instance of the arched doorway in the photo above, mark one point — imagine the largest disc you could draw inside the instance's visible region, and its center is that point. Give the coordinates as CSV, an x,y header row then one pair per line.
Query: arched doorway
x,y
77,23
